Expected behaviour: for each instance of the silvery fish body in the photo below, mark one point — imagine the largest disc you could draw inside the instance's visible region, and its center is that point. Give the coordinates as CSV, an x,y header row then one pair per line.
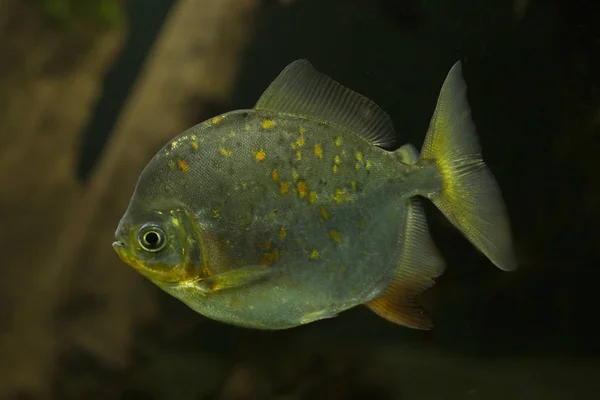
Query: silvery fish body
x,y
293,211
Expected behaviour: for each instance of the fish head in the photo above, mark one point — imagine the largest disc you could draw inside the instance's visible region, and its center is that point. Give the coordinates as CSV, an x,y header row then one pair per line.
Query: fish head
x,y
162,245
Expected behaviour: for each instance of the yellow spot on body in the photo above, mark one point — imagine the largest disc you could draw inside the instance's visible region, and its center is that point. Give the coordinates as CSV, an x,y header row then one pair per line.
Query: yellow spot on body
x,y
318,151
282,233
244,185
260,155
365,252
270,258
337,160
246,127
283,187
314,255
173,145
362,224
338,141
359,156
324,214
215,213
267,245
353,185
295,174
274,174
298,155
357,166
232,134
225,152
300,141
183,166
302,130
336,236
268,124
335,169
312,197
368,165
338,196
298,241
217,120
195,145
302,189
171,164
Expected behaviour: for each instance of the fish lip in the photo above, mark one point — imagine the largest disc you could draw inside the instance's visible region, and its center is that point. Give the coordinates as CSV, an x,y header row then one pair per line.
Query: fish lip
x,y
118,244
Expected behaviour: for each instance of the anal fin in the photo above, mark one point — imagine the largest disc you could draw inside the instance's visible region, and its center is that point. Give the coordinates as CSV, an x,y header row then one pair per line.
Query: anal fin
x,y
419,264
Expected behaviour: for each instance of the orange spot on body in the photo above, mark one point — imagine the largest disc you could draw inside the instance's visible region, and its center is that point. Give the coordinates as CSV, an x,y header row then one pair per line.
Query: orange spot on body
x,y
283,187
171,164
267,245
312,197
302,189
183,166
195,145
318,151
216,120
274,174
270,258
260,155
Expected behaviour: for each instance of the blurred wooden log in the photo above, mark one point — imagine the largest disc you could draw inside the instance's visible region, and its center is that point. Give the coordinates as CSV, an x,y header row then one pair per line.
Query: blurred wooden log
x,y
49,82
197,54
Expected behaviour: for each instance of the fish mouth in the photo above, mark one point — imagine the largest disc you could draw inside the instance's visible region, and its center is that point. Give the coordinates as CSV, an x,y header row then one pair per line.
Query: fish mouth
x,y
124,255
162,273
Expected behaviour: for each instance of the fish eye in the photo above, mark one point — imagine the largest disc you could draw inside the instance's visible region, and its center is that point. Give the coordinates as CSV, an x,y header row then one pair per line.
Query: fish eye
x,y
152,238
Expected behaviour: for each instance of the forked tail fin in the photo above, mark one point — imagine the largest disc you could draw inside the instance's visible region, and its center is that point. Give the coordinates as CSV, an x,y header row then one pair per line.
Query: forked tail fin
x,y
470,198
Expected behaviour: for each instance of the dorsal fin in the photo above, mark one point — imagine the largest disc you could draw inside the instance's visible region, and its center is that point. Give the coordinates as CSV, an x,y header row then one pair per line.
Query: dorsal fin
x,y
301,90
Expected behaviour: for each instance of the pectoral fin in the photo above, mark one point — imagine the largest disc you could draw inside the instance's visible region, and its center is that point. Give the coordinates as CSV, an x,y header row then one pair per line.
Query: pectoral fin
x,y
235,278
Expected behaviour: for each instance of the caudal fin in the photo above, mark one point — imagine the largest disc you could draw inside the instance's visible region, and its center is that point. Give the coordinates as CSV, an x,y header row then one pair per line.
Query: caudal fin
x,y
470,198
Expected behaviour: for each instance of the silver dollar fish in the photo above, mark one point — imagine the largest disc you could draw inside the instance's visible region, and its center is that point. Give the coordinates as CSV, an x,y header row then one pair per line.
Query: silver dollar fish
x,y
292,211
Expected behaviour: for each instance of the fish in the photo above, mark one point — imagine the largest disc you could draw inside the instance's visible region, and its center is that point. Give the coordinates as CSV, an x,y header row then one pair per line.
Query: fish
x,y
307,205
